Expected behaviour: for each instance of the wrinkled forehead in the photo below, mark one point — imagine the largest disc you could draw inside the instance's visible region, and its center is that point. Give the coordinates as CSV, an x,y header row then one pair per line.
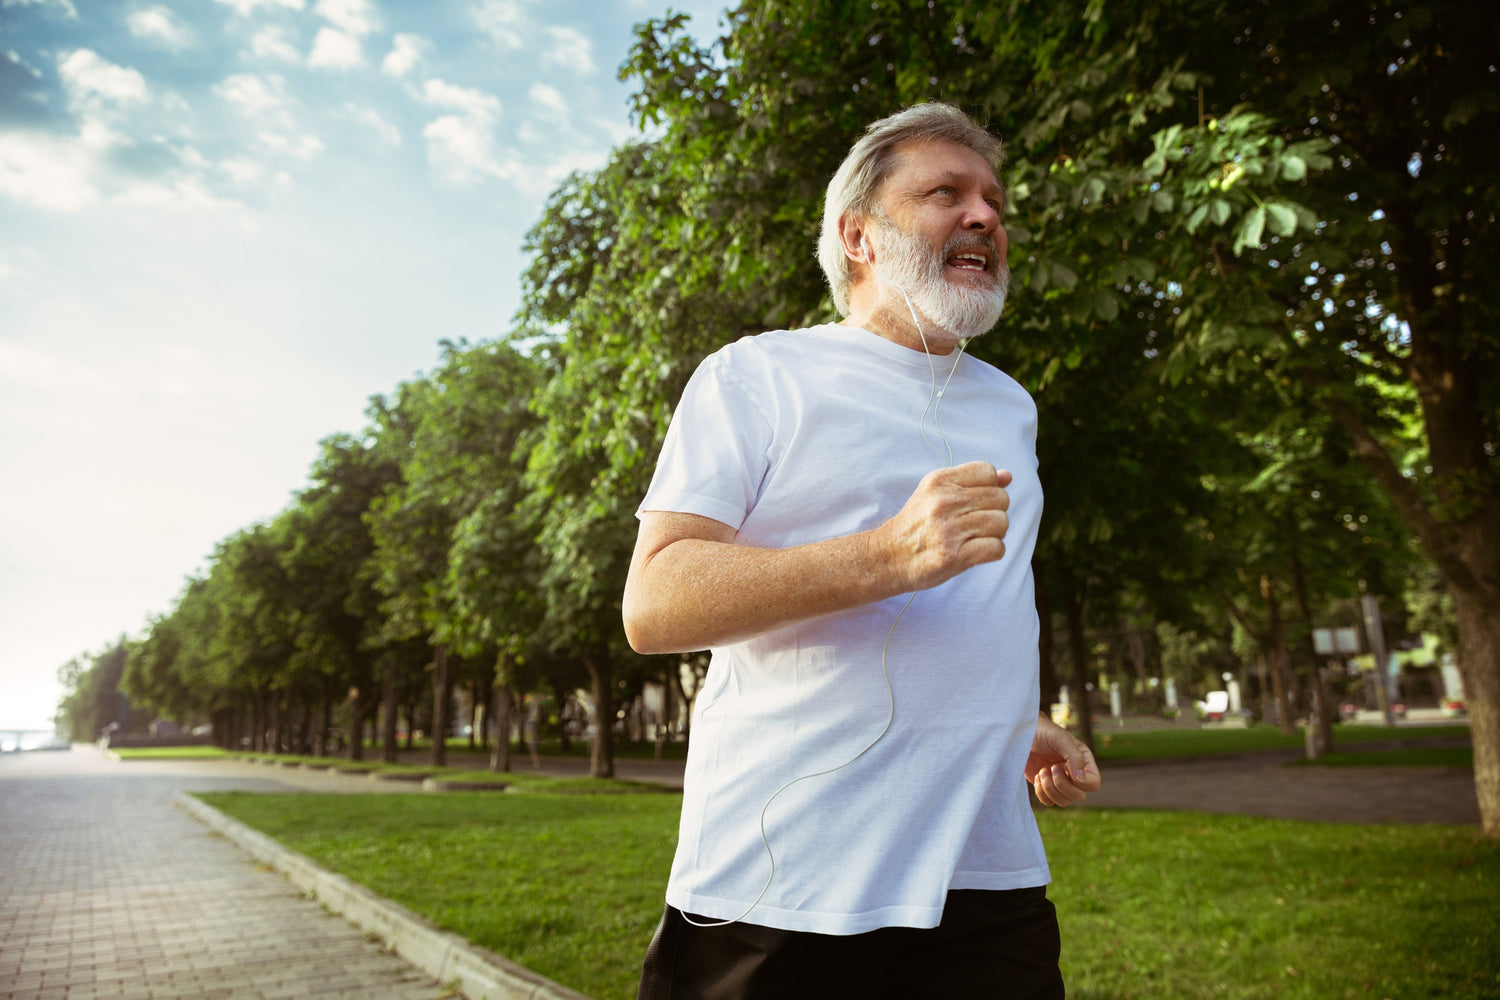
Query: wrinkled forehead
x,y
919,163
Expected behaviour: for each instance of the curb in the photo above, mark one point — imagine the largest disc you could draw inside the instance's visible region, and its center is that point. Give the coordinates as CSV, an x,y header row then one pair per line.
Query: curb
x,y
448,958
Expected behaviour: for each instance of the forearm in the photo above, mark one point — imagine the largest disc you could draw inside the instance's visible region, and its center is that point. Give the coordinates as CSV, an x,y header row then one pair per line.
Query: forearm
x,y
696,593
693,586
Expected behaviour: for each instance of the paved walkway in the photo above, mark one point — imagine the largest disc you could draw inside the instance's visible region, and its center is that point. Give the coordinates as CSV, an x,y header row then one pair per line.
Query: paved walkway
x,y
1254,784
109,891
1263,785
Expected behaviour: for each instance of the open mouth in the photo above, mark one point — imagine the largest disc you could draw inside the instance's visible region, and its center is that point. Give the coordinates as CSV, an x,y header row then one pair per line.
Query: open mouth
x,y
969,260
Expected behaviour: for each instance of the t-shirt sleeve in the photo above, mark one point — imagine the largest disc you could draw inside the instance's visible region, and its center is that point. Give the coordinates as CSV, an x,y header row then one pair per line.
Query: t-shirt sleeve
x,y
716,452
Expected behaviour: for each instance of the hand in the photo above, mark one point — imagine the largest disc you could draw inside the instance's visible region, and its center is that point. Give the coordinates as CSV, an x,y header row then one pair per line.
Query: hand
x,y
956,519
1061,767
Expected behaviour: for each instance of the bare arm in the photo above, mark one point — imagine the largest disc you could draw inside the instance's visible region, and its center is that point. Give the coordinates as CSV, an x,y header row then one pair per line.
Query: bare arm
x,y
692,586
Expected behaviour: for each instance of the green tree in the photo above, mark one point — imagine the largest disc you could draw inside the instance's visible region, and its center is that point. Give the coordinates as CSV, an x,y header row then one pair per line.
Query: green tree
x,y
626,316
458,432
338,622
94,706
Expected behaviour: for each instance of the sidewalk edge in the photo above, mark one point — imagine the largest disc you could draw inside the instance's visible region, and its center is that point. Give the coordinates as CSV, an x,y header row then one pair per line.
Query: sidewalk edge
x,y
448,958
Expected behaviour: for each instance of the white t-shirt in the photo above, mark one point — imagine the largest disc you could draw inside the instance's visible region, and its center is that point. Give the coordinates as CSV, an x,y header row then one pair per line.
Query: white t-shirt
x,y
797,436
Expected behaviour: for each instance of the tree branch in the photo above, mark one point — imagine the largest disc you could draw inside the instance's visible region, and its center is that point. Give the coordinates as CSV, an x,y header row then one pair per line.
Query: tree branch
x,y
1434,540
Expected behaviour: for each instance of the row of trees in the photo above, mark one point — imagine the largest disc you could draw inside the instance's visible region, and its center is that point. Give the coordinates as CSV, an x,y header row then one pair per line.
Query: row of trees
x,y
1250,244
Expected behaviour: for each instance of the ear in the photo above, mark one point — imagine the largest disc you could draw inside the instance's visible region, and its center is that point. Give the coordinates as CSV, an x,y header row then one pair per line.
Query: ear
x,y
852,234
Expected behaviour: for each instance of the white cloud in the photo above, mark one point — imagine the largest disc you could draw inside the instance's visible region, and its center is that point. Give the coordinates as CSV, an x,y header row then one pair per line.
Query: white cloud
x,y
66,173
503,21
302,147
242,170
65,6
461,147
245,8
406,52
17,59
389,134
354,17
474,103
31,369
92,81
273,43
47,171
570,50
548,99
70,173
180,194
461,150
190,157
160,24
333,49
256,95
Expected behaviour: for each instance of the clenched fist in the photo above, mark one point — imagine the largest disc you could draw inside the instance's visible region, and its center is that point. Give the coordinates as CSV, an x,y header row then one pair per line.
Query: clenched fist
x,y
954,520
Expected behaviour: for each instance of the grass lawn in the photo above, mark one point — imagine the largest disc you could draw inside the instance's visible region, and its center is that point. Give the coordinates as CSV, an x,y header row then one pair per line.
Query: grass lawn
x,y
1178,905
171,753
1460,757
567,885
1154,906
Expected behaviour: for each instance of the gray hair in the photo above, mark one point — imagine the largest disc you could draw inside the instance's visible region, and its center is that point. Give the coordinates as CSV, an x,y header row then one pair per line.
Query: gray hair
x,y
857,184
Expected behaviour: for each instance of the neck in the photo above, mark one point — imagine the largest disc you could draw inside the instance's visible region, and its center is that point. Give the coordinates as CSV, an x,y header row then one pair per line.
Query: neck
x,y
896,320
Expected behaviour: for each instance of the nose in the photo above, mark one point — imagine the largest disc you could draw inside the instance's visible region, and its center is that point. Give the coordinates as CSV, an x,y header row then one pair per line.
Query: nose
x,y
980,216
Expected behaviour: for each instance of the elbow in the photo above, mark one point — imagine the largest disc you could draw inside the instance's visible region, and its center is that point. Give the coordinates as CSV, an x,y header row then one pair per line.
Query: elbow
x,y
654,631
642,629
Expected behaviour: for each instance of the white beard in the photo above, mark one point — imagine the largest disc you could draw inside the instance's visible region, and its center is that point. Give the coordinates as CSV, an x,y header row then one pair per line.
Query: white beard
x,y
959,312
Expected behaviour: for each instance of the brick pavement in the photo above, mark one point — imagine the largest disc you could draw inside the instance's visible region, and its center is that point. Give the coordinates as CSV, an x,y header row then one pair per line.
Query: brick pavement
x,y
109,892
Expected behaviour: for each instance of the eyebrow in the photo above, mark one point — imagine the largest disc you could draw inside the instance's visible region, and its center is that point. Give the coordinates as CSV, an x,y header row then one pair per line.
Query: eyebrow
x,y
951,176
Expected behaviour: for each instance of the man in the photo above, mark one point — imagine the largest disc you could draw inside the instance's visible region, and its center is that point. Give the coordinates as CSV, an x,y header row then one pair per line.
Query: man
x,y
845,515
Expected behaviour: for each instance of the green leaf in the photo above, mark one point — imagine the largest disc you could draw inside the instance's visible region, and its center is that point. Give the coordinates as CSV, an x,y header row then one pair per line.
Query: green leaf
x,y
1195,219
1251,228
1106,304
1282,218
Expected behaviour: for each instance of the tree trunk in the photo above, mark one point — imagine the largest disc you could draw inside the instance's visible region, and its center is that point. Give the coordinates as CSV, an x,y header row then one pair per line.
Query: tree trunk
x,y
357,710
1046,644
601,673
304,737
1322,707
560,695
1460,532
1273,648
1078,648
1269,708
484,707
472,699
500,702
1479,660
325,723
390,713
440,685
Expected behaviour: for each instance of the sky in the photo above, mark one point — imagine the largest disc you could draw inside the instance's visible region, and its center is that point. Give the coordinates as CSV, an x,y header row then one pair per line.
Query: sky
x,y
224,226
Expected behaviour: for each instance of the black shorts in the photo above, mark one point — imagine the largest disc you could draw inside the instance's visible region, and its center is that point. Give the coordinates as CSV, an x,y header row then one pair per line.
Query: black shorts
x,y
1001,944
